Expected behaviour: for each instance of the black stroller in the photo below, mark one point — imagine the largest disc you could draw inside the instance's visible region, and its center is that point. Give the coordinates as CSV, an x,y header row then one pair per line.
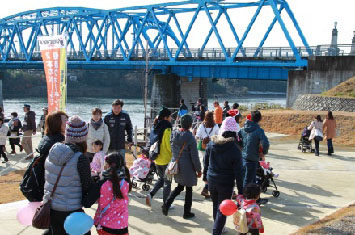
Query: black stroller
x,y
148,179
264,176
305,144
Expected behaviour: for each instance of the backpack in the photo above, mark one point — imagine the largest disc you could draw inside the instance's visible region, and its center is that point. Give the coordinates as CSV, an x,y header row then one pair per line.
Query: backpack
x,y
206,140
32,184
154,151
240,221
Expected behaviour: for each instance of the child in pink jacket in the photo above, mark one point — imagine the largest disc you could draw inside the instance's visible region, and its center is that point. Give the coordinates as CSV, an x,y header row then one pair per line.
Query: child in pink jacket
x,y
98,162
112,213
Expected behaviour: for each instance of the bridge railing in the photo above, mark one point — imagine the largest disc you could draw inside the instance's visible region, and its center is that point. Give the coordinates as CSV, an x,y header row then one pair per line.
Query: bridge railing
x,y
198,54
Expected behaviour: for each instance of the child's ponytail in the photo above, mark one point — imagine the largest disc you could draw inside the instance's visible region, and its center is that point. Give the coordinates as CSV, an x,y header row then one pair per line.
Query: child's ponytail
x,y
118,172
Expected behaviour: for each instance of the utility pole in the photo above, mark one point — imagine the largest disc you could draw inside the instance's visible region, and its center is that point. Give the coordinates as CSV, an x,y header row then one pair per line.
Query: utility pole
x,y
146,89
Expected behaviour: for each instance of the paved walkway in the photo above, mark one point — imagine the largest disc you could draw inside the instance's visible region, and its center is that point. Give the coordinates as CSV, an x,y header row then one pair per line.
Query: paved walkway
x,y
311,188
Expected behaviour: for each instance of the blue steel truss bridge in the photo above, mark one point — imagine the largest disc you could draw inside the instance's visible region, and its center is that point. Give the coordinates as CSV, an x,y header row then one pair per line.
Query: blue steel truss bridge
x,y
120,39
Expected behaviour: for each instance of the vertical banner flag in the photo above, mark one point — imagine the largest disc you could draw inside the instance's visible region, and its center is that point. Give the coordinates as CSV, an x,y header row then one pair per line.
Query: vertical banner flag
x,y
53,51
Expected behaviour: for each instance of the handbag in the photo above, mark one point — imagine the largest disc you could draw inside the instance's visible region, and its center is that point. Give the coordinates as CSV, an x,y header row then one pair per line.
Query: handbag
x,y
173,168
154,151
42,219
318,135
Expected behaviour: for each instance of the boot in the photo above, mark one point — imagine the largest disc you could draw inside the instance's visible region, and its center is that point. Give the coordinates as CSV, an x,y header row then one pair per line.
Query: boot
x,y
21,148
205,193
188,215
13,152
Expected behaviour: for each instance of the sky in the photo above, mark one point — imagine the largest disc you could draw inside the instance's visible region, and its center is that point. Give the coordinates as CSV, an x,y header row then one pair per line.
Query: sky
x,y
316,18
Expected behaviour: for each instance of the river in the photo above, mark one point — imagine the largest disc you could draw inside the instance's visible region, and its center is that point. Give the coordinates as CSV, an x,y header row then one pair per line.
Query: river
x,y
135,107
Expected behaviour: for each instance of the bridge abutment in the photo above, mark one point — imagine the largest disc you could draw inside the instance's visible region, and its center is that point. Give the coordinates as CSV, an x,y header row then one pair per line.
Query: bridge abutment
x,y
323,73
168,89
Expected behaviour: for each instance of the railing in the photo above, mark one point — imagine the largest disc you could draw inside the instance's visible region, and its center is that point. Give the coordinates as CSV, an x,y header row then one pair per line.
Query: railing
x,y
206,54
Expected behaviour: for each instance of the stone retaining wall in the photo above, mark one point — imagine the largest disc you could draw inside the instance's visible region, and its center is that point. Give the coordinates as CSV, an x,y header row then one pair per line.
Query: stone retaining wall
x,y
324,103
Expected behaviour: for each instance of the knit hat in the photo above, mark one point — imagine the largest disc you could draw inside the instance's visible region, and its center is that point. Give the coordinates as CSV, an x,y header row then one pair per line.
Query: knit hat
x,y
76,130
164,112
248,117
186,121
229,124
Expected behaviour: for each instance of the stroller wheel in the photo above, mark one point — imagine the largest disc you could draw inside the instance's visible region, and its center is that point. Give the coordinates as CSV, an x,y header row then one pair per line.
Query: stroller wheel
x,y
134,184
299,147
303,150
149,180
145,187
312,150
276,193
264,189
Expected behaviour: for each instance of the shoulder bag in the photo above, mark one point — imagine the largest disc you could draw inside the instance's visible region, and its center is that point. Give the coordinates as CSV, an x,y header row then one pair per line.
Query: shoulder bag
x,y
41,219
173,168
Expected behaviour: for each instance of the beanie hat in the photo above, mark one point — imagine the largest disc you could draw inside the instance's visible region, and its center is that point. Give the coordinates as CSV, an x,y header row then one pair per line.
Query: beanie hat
x,y
164,112
248,117
76,130
186,121
229,124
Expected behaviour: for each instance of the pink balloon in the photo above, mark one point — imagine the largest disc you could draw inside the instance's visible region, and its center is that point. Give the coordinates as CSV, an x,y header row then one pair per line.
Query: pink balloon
x,y
26,213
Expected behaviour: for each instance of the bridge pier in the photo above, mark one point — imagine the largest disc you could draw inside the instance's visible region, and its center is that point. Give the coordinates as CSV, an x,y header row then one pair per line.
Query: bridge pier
x,y
168,89
1,93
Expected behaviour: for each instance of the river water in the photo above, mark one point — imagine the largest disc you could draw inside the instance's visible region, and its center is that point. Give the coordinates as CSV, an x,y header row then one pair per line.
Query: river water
x,y
135,107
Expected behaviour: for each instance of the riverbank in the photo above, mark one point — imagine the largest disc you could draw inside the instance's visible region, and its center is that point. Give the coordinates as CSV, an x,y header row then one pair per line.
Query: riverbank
x,y
292,122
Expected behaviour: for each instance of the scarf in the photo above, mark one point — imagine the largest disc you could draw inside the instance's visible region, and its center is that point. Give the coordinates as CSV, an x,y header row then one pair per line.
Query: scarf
x,y
96,125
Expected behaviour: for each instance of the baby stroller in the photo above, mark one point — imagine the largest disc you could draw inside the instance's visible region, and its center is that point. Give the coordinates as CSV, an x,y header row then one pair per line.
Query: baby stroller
x,y
264,175
143,170
305,144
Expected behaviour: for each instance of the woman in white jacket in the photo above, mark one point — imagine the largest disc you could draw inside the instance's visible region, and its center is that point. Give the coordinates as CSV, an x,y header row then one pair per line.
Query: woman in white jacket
x,y
98,130
3,133
316,128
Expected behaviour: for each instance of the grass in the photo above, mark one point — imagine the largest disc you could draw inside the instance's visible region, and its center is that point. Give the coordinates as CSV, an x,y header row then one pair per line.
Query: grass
x,y
343,90
327,221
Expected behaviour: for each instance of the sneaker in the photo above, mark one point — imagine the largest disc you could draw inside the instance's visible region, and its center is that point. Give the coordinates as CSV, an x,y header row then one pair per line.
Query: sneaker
x,y
4,161
224,230
262,201
13,152
148,200
165,209
188,215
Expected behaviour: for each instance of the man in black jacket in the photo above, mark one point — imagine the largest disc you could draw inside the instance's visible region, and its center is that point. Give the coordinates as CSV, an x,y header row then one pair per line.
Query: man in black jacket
x,y
29,129
118,123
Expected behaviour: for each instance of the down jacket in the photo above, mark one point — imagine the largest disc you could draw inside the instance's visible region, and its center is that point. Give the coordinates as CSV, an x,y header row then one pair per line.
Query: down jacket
x,y
223,163
252,136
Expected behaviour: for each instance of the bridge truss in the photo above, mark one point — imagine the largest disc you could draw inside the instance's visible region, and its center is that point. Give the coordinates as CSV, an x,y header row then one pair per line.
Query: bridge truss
x,y
117,39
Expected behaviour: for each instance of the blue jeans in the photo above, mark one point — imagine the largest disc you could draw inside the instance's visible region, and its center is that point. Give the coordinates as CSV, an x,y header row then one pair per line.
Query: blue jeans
x,y
163,181
249,172
330,146
316,145
218,194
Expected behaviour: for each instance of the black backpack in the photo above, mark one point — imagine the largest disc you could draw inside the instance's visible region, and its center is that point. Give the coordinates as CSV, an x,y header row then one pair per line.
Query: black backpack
x,y
32,184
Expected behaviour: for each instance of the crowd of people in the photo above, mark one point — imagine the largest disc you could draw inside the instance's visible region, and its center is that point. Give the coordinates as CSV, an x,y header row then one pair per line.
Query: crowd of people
x,y
89,159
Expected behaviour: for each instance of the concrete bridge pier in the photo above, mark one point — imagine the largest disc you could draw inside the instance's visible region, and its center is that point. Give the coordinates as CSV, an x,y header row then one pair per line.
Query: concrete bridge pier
x,y
168,89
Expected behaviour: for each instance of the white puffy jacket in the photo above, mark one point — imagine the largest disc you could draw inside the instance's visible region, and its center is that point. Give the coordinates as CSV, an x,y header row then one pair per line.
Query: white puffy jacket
x,y
99,134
